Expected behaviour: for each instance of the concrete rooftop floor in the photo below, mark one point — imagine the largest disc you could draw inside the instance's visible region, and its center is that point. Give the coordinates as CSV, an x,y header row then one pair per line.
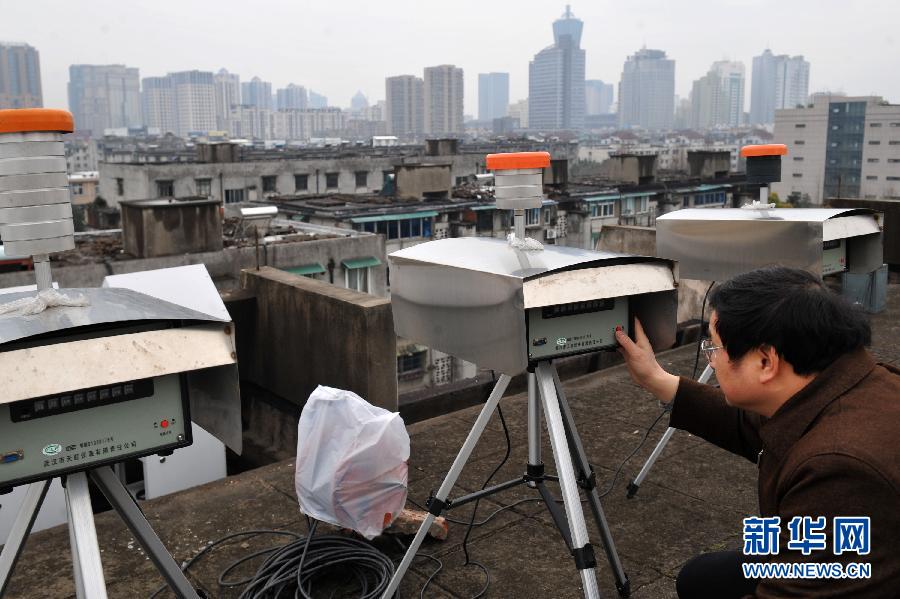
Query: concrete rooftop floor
x,y
692,501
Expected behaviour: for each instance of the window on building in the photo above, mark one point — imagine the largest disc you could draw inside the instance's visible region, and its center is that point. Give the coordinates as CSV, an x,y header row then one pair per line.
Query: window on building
x,y
798,158
120,186
411,363
871,178
797,175
874,142
893,160
603,209
532,216
204,187
331,180
874,124
800,126
895,124
358,279
799,142
301,182
872,160
893,178
362,179
894,142
399,229
165,189
269,183
77,189
233,196
484,221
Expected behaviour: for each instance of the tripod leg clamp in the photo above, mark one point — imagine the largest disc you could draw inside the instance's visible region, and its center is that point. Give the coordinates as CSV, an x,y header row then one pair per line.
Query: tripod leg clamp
x,y
435,506
588,483
584,557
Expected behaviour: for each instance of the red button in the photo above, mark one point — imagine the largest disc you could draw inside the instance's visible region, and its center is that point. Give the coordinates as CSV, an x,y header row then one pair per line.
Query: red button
x,y
164,424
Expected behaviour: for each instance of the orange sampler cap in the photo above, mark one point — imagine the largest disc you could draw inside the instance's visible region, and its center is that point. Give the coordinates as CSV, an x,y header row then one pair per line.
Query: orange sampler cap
x,y
516,160
23,120
764,150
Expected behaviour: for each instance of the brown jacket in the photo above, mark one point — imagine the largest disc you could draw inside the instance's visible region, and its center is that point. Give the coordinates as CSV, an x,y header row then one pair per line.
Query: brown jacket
x,y
833,449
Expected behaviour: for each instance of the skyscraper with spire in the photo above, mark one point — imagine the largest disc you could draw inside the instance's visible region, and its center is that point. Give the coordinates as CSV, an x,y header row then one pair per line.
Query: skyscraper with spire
x,y
556,79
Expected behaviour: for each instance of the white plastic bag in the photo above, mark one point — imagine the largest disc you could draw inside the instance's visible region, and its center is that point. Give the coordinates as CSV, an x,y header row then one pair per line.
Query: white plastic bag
x,y
351,468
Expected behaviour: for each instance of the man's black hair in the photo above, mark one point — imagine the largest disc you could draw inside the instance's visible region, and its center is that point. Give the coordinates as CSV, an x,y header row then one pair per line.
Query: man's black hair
x,y
792,311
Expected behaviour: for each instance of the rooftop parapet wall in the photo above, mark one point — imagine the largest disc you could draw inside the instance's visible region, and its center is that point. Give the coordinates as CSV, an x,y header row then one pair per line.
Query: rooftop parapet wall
x,y
306,333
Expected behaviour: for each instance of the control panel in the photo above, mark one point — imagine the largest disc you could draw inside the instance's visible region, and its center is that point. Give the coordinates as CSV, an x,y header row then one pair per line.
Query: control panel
x,y
574,328
48,436
834,257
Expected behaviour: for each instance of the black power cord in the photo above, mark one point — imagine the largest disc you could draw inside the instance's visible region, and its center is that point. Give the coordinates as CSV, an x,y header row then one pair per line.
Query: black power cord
x,y
700,334
292,569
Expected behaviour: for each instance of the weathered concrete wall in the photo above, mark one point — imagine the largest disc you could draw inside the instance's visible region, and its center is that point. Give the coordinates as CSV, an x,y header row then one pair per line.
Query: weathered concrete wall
x,y
633,169
642,241
225,266
151,229
306,333
415,180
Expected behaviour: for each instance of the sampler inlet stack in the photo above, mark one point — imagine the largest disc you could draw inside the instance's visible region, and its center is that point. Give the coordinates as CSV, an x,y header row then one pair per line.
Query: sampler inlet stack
x,y
93,377
35,211
764,167
508,309
518,183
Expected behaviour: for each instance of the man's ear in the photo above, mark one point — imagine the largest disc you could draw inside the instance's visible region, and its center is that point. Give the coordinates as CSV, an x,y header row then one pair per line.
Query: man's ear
x,y
769,363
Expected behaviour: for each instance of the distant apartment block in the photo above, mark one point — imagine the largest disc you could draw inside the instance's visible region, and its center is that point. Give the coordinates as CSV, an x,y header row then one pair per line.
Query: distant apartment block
x,y
647,91
104,97
228,94
598,97
256,92
519,111
779,82
158,104
846,147
493,95
195,102
405,106
317,100
20,76
443,97
556,79
292,97
717,98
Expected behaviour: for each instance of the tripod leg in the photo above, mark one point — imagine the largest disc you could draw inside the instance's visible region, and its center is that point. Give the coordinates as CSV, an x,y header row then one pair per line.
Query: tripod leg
x,y
28,511
89,581
535,466
589,482
635,484
119,498
582,550
438,503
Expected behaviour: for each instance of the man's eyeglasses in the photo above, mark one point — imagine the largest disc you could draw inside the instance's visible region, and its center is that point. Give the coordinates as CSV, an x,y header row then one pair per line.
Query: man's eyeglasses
x,y
707,347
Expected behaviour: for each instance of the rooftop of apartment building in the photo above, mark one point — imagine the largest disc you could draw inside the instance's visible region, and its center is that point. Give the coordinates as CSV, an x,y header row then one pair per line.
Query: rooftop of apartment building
x,y
514,538
169,148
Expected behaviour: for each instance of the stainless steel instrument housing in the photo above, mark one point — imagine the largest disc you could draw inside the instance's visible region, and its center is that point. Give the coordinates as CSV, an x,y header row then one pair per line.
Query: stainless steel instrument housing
x,y
468,296
717,244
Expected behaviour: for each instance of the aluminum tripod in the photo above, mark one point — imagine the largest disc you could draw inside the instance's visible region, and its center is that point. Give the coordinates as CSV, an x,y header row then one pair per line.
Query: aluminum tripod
x,y
89,582
635,484
572,468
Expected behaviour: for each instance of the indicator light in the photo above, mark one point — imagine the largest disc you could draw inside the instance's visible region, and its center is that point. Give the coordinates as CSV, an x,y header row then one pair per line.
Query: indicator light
x,y
164,424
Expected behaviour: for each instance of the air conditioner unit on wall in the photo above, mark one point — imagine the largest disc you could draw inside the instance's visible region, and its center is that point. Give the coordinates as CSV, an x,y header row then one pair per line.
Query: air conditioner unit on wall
x,y
550,234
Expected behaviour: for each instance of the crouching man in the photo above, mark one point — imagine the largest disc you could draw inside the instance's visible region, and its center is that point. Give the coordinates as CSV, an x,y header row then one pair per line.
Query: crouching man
x,y
802,398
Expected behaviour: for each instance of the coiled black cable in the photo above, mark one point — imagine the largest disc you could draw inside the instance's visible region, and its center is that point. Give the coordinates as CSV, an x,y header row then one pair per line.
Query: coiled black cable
x,y
293,569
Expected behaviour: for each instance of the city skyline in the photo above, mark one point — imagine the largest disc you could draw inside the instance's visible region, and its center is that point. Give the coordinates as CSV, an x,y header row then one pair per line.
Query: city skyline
x,y
107,35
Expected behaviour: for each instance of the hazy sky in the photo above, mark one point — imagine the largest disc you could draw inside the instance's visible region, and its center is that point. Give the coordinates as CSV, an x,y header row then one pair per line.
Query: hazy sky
x,y
337,47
